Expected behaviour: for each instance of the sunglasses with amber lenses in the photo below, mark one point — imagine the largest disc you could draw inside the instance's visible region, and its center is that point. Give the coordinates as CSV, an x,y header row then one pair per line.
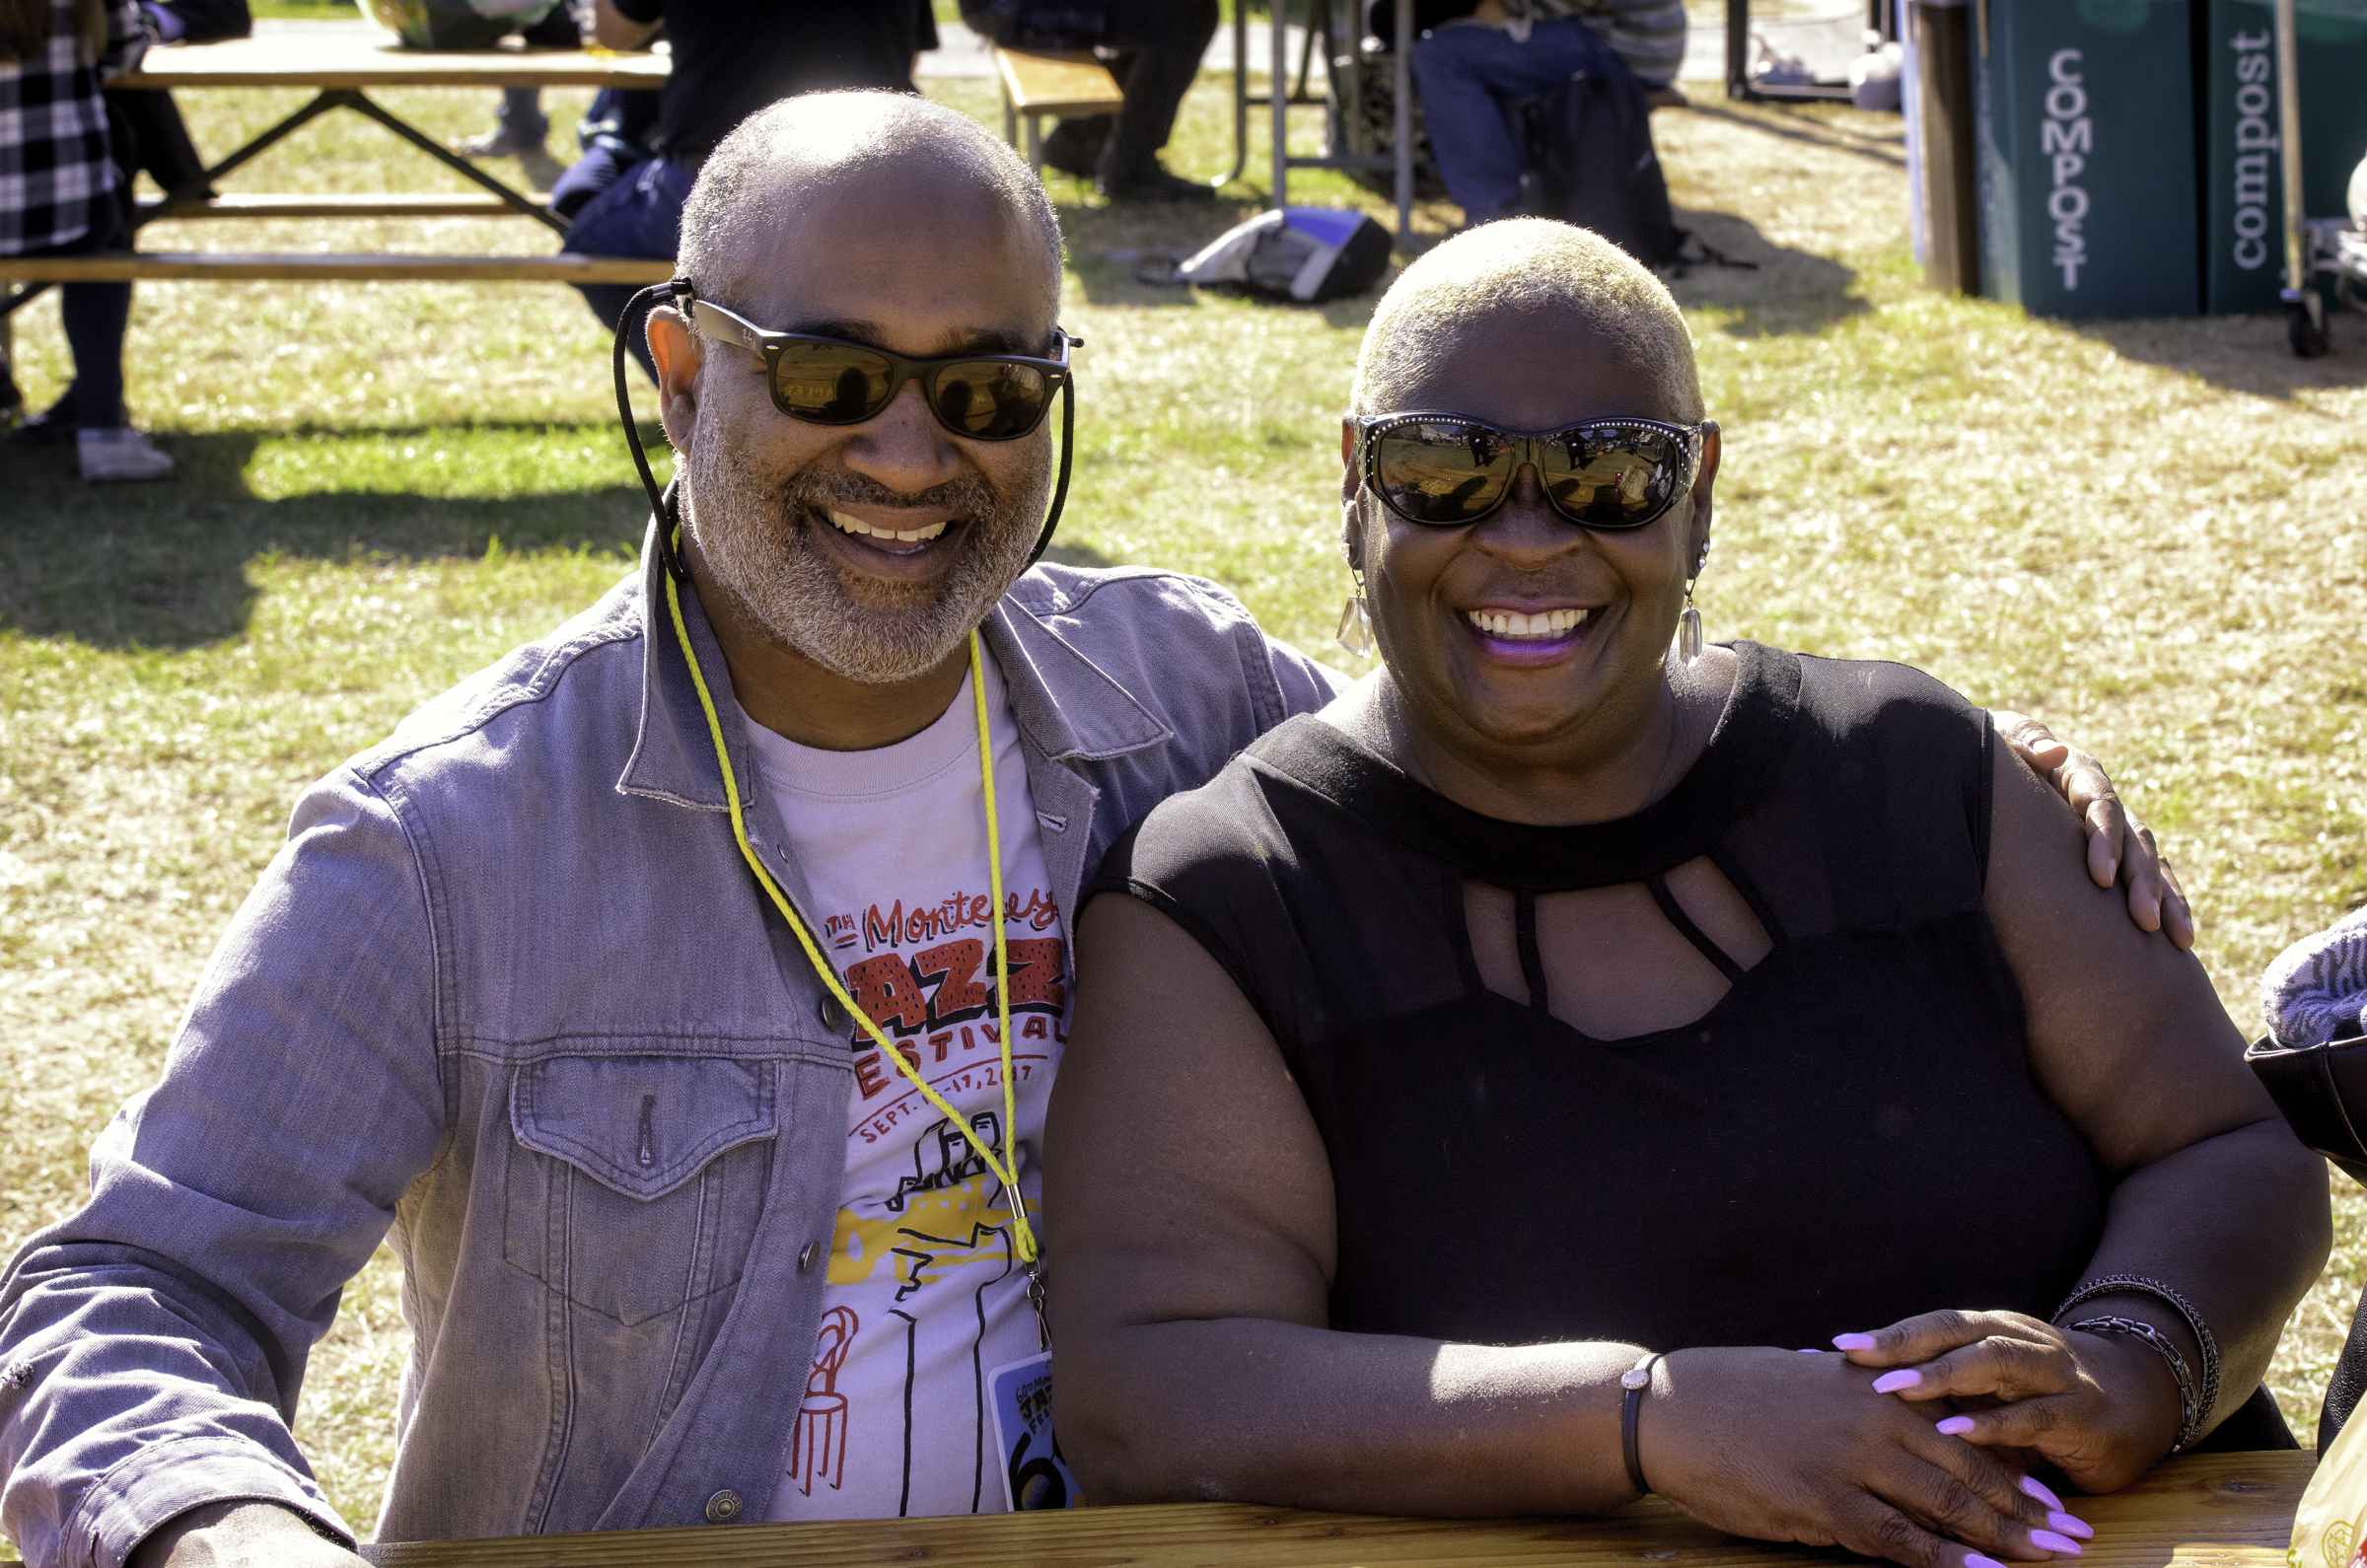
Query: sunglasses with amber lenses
x,y
1443,471
829,381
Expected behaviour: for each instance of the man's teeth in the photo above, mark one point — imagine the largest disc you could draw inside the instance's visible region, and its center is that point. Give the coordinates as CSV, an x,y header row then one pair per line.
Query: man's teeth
x,y
1511,623
855,524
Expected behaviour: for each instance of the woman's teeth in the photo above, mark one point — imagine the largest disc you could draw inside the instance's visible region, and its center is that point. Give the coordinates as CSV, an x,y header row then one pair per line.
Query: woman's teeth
x,y
1513,625
855,524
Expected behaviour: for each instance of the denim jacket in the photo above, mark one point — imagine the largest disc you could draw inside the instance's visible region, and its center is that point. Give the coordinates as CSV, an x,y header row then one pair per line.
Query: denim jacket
x,y
510,991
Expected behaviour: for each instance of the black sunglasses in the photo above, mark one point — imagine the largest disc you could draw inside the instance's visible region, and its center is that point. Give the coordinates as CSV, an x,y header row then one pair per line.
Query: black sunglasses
x,y
1443,471
828,381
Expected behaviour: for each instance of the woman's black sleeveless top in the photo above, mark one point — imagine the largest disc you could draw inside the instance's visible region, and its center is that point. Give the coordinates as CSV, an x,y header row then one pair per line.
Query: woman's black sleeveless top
x,y
1850,1135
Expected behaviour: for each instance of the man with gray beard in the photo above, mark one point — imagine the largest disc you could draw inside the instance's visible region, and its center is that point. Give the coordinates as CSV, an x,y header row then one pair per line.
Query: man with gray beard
x,y
666,992
679,995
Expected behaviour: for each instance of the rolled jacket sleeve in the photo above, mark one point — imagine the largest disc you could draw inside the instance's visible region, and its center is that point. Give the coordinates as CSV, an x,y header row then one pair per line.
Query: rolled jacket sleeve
x,y
153,1344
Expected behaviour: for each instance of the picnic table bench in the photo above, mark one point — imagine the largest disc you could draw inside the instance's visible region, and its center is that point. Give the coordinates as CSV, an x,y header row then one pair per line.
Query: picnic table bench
x,y
2206,1511
341,65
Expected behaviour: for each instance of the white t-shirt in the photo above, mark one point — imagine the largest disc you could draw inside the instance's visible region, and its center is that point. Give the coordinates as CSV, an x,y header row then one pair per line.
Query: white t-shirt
x,y
926,1292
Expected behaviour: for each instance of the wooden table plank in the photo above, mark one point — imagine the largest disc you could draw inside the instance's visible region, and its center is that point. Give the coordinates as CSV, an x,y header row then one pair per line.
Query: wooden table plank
x,y
375,59
1058,81
397,204
2211,1511
237,266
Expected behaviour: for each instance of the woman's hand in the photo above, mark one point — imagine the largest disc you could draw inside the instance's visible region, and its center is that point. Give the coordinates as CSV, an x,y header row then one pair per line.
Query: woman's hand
x,y
2099,1408
1786,1447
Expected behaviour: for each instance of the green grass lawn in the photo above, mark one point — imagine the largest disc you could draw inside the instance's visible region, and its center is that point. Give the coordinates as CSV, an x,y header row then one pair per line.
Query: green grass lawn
x,y
2150,533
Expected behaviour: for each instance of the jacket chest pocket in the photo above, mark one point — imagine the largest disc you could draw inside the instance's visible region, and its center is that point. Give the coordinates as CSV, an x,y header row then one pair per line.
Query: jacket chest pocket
x,y
635,1182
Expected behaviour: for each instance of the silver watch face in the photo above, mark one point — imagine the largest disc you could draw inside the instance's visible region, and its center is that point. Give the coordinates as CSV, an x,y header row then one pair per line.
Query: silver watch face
x,y
1636,1378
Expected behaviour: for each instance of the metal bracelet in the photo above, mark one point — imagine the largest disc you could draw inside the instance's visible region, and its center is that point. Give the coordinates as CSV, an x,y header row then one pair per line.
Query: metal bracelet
x,y
2139,1284
2189,1409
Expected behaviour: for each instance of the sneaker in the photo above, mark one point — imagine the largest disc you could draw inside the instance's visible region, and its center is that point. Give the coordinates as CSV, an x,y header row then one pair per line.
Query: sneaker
x,y
1155,185
120,454
498,143
51,427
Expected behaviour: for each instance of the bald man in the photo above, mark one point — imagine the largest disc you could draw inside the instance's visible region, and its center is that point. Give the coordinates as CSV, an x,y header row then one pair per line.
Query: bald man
x,y
557,1002
683,1241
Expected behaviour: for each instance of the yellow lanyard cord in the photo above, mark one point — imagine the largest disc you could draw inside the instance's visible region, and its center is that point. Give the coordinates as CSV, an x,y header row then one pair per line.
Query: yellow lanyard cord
x,y
1006,1168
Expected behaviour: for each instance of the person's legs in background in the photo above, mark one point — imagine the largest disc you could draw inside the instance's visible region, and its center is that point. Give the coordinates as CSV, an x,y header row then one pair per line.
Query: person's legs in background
x,y
1165,41
640,214
1469,77
611,135
519,127
91,411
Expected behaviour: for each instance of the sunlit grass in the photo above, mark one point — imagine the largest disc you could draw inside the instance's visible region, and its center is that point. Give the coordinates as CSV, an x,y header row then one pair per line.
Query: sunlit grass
x,y
2150,533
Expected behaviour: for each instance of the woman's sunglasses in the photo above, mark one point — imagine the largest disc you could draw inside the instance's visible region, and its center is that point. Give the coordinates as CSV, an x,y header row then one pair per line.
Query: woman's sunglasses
x,y
1443,471
828,381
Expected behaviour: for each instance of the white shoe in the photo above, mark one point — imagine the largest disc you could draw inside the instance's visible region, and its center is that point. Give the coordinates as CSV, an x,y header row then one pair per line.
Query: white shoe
x,y
120,454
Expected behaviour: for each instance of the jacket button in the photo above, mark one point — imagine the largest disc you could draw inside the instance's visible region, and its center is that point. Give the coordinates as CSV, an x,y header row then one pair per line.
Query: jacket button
x,y
723,1508
804,1257
835,1016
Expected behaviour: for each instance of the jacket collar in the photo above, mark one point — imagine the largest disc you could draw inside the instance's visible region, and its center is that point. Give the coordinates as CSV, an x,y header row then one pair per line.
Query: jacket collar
x,y
1067,707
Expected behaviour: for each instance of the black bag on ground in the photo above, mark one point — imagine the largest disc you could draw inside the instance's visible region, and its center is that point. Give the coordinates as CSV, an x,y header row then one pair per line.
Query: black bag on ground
x,y
1596,166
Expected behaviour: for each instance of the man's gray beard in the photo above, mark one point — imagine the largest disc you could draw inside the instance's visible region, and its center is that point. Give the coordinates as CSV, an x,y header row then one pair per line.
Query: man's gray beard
x,y
755,540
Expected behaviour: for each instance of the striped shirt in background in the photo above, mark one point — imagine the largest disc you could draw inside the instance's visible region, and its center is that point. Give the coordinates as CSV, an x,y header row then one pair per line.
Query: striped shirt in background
x,y
56,169
1648,35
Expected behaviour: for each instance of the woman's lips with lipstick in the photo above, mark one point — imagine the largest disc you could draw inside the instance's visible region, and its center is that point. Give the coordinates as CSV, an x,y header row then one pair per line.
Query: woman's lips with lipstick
x,y
1526,637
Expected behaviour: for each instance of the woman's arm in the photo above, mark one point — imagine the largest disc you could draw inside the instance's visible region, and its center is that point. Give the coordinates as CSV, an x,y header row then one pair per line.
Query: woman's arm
x,y
2216,1199
1192,1242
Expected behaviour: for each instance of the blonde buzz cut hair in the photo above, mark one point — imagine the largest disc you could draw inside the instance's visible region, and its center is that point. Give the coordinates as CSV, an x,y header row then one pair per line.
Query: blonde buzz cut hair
x,y
1528,266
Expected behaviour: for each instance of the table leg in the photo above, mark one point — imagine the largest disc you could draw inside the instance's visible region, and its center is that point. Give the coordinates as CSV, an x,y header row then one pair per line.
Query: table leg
x,y
1277,94
1404,129
352,99
326,100
1241,95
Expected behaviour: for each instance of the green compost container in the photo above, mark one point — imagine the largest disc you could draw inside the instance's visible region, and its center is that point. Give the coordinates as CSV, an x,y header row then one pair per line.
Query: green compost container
x,y
2085,126
2243,157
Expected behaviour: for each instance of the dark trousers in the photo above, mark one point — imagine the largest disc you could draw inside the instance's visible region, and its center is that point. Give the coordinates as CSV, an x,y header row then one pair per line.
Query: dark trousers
x,y
639,214
1160,43
95,315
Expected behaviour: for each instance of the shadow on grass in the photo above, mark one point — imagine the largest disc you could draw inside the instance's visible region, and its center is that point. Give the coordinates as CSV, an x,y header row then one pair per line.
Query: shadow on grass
x,y
1794,125
165,565
1790,290
2241,353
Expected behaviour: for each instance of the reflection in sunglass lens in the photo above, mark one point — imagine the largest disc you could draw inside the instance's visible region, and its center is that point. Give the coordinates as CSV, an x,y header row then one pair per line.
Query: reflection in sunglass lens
x,y
989,399
1442,472
1611,478
830,383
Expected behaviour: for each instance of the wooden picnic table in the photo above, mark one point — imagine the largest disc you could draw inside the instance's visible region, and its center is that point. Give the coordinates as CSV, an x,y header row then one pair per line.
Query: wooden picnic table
x,y
2209,1511
341,65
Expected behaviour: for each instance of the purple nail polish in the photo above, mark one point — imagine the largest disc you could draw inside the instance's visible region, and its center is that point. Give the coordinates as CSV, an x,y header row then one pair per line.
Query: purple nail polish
x,y
1955,1426
2032,1487
1893,1381
1852,1341
1973,1559
2048,1540
2071,1526
1809,1350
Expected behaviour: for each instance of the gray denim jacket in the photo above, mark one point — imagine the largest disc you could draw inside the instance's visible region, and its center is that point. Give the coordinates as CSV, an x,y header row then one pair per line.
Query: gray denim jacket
x,y
510,990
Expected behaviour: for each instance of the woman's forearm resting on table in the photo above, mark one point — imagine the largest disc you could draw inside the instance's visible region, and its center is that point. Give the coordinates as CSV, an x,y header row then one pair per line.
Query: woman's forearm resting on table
x,y
1257,1410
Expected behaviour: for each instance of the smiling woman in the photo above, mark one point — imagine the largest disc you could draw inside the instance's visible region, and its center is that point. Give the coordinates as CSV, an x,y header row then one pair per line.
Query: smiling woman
x,y
1483,1088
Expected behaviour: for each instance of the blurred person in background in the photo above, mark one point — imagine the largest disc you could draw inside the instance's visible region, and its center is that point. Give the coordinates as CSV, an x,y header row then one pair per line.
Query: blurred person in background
x,y
1157,46
62,194
1475,70
730,60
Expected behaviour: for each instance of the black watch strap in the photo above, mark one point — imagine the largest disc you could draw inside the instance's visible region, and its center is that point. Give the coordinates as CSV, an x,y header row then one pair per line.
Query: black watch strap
x,y
1635,1380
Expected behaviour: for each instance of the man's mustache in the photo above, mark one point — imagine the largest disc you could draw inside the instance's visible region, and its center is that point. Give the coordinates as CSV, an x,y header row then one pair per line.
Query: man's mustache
x,y
969,499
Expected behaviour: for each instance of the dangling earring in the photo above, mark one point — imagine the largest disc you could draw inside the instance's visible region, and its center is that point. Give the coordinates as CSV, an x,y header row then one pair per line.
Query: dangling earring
x,y
1689,630
1688,624
1355,632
